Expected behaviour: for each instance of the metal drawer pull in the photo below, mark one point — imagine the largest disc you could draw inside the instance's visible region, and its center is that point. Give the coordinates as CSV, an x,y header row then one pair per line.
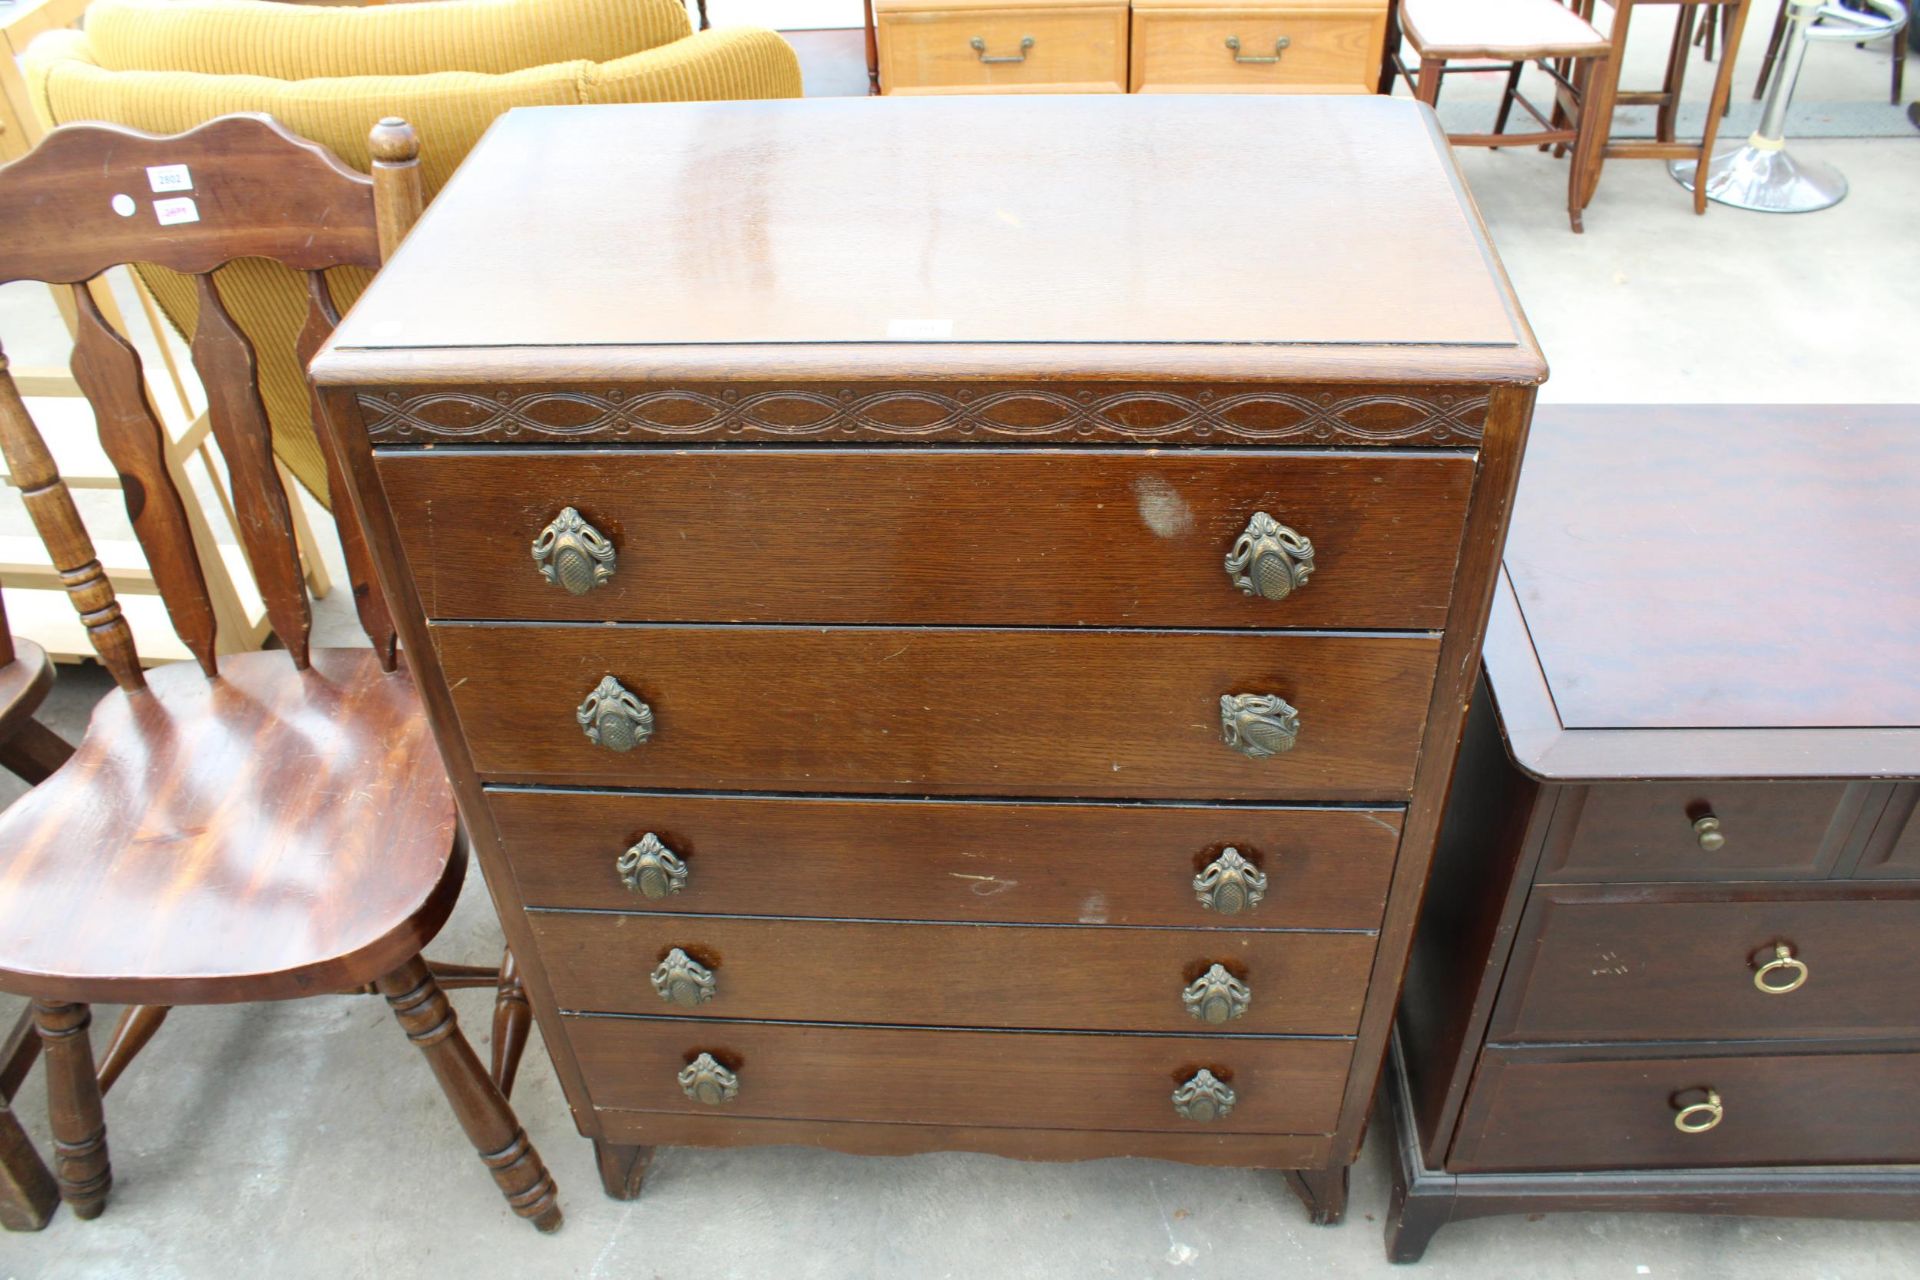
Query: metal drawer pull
x,y
1258,724
708,1083
1216,996
682,980
1203,1099
1706,830
651,869
979,46
1279,47
612,717
1783,962
573,554
1701,1116
1230,884
1269,559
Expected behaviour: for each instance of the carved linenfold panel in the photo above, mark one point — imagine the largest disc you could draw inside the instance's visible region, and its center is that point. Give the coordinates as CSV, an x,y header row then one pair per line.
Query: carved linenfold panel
x,y
1093,413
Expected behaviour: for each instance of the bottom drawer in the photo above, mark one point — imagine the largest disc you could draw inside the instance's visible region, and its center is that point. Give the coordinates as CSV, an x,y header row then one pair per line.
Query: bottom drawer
x,y
981,1079
1541,1109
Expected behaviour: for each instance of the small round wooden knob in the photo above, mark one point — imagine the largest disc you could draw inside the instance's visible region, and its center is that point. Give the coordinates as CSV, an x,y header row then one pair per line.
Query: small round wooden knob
x,y
1203,1098
612,717
1216,996
1258,725
1269,559
393,141
1230,884
1701,1116
1785,972
708,1083
572,554
652,870
682,980
1706,830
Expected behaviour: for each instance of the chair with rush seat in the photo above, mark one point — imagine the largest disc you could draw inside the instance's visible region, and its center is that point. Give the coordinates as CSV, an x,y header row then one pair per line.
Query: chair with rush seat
x,y
254,826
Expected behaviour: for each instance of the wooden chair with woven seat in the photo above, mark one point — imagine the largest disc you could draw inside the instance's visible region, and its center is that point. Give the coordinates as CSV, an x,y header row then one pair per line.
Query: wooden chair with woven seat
x,y
273,824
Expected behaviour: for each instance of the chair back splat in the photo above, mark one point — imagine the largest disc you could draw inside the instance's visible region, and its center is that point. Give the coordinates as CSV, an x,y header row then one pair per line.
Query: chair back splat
x,y
93,197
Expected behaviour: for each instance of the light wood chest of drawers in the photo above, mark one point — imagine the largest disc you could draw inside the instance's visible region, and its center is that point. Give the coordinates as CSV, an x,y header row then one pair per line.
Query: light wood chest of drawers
x,y
996,628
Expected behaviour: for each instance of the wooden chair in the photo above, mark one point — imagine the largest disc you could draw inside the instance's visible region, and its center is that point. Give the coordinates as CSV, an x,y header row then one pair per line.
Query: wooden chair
x,y
262,825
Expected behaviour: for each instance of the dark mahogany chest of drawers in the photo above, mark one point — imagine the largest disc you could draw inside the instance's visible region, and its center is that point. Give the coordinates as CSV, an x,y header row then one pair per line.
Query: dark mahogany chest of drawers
x,y
1671,955
944,638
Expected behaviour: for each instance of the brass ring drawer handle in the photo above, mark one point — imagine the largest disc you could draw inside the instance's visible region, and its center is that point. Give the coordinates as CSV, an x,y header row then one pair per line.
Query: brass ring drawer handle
x,y
651,869
708,1083
1216,996
1784,962
1279,47
1258,725
1701,1116
573,554
1230,884
1268,559
682,980
979,45
1707,833
1203,1098
613,717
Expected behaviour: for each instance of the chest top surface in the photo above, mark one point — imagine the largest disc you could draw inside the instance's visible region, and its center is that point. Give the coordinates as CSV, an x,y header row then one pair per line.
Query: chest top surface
x,y
1182,220
1718,568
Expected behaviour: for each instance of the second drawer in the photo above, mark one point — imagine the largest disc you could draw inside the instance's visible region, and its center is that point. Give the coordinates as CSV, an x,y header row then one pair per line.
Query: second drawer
x,y
1675,963
1068,977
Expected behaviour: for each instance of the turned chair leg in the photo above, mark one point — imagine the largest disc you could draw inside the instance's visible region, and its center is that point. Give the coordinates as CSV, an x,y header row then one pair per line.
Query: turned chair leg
x,y
512,1016
137,1024
496,1134
622,1168
1323,1191
78,1120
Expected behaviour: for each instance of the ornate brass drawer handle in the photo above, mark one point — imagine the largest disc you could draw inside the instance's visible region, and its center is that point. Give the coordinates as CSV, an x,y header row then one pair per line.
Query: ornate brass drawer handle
x,y
573,554
682,980
1216,996
708,1083
1269,560
1203,1099
1258,724
979,45
651,869
1701,1116
1707,833
1230,884
1279,47
1789,966
612,717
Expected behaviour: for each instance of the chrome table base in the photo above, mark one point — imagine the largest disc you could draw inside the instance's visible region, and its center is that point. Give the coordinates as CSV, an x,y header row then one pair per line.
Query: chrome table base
x,y
1766,180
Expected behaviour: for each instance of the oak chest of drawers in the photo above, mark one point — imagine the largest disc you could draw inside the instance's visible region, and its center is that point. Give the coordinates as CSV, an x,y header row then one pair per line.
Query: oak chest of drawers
x,y
1671,955
943,639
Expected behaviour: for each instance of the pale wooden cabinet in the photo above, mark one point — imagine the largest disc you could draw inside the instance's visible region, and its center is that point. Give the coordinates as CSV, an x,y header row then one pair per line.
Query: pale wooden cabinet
x,y
1265,46
1002,46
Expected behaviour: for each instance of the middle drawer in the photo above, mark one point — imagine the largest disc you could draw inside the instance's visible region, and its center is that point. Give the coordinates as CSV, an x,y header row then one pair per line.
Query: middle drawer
x,y
957,975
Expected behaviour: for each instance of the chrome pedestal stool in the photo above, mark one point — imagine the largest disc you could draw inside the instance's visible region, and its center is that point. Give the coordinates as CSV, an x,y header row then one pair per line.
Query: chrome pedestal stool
x,y
1761,174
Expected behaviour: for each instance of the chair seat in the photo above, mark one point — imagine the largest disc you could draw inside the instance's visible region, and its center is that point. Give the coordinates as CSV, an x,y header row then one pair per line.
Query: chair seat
x,y
1502,30
267,834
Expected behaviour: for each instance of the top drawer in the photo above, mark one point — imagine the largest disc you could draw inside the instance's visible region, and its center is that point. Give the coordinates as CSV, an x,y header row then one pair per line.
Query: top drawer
x,y
940,536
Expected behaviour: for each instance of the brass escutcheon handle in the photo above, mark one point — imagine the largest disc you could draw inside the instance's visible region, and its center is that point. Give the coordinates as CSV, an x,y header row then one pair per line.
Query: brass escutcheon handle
x,y
573,554
1279,47
1216,996
682,980
1268,559
612,717
1258,724
1783,962
1707,832
1230,884
708,1083
1203,1098
1701,1116
979,45
651,869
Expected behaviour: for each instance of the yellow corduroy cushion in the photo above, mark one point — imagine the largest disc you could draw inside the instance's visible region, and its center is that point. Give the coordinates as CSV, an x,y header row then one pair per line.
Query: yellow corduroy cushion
x,y
304,42
449,110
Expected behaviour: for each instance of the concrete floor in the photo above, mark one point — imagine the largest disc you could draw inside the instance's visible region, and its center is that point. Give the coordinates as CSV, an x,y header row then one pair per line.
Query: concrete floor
x,y
309,1140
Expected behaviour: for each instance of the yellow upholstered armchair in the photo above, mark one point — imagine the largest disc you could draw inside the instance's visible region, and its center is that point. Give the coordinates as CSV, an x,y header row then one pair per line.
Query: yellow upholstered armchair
x,y
448,67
